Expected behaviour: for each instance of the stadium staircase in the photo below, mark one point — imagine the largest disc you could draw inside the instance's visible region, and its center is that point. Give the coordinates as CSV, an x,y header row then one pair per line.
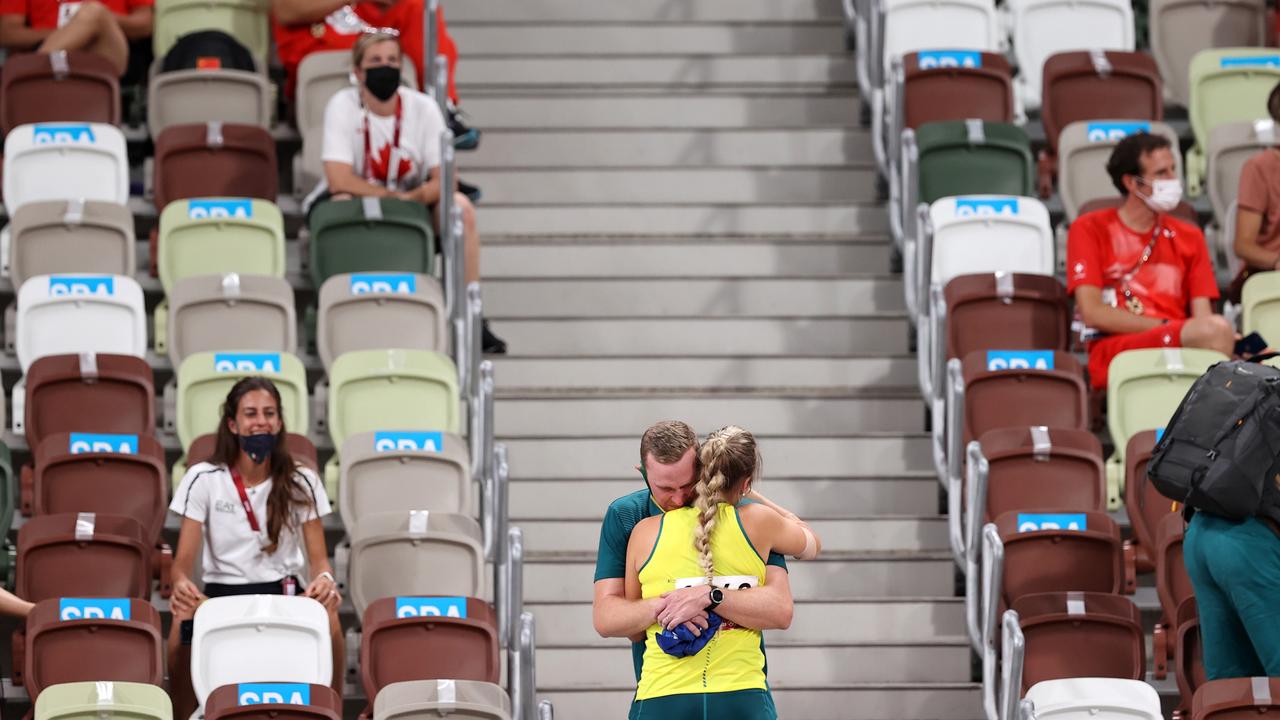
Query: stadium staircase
x,y
681,221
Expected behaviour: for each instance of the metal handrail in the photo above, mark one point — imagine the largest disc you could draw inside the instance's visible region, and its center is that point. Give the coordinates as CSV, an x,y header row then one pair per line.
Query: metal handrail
x,y
491,511
954,460
935,379
910,295
469,380
978,471
879,147
529,669
938,340
501,475
480,432
924,353
440,84
1026,710
1013,650
924,251
992,579
430,39
896,198
513,590
909,193
546,711
516,679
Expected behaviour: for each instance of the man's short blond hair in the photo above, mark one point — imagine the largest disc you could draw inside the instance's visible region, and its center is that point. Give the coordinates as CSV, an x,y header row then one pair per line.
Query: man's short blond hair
x,y
367,40
667,441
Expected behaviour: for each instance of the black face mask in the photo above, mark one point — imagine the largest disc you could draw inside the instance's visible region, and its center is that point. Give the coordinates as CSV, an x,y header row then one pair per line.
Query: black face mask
x,y
258,447
382,81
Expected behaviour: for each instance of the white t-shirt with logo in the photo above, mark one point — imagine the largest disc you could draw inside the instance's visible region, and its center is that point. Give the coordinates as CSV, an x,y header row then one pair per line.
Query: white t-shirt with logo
x,y
233,552
420,127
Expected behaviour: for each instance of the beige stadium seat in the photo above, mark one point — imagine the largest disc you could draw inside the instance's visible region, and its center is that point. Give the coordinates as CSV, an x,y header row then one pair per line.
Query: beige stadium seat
x,y
371,311
205,310
71,236
454,699
415,552
386,471
1181,28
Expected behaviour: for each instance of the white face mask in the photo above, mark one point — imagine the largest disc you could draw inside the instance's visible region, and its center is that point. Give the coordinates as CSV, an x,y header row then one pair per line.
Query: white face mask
x,y
1165,195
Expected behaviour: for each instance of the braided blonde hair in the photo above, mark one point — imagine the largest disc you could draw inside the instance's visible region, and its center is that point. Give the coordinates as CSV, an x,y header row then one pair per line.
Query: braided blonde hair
x,y
728,459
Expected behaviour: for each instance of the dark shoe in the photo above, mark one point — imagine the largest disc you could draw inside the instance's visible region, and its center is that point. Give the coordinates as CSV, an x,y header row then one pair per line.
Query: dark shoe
x,y
471,191
464,136
490,343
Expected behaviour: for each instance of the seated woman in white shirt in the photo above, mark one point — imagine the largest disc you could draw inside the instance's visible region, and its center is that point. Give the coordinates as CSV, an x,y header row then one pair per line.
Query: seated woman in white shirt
x,y
258,515
368,126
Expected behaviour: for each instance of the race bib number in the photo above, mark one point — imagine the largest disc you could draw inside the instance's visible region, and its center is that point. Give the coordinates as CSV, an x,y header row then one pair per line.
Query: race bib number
x,y
726,582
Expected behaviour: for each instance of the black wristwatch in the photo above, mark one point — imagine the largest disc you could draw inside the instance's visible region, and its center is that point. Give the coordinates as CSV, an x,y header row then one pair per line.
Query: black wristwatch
x,y
717,597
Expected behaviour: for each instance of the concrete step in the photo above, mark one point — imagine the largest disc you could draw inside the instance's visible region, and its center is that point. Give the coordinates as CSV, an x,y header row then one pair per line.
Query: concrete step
x,y
892,533
639,11
613,258
778,415
678,38
846,701
700,337
835,622
675,186
685,220
681,297
810,499
660,148
666,110
569,576
744,373
928,661
871,456
645,70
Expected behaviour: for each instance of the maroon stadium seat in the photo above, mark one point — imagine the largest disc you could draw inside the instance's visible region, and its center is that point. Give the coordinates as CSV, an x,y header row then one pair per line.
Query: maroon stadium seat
x,y
1236,699
937,94
1080,634
425,647
215,160
83,555
1069,475
302,449
70,477
1145,505
58,87
321,702
115,394
1091,558
65,642
1015,312
1173,584
996,398
1188,653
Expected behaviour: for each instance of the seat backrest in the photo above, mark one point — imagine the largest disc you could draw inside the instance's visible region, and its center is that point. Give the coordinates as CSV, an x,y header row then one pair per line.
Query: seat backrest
x,y
1183,211
256,310
56,236
1189,653
72,639
1180,28
387,470
428,638
986,233
411,552
1144,387
1236,698
1084,147
1145,505
58,87
77,701
320,75
1010,311
215,160
1032,467
1173,584
273,701
1050,551
76,313
371,311
940,85
966,157
1230,147
300,448
1080,634
1043,28
183,97
88,393
370,235
1260,300
911,25
65,161
1230,85
404,389
245,638
213,236
1021,388
1096,85
245,20
101,473
1088,698
205,378
450,698
83,555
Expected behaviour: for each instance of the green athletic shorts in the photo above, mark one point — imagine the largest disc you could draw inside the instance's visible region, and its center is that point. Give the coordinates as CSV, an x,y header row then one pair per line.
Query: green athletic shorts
x,y
739,705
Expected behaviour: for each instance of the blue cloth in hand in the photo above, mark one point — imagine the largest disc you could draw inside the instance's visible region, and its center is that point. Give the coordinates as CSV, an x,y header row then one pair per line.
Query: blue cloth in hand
x,y
682,643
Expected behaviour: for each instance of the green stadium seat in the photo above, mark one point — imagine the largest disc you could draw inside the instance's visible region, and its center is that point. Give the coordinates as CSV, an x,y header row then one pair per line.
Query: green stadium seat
x,y
246,20
103,701
204,379
370,235
212,236
1227,85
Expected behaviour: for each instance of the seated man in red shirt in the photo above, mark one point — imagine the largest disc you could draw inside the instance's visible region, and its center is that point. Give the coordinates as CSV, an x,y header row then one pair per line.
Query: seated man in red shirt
x,y
1142,278
104,28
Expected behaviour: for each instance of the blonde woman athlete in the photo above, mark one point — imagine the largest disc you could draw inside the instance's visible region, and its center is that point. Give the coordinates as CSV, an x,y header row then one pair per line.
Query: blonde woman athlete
x,y
723,546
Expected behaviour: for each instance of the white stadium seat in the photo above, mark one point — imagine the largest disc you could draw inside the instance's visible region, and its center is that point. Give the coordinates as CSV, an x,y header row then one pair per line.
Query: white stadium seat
x,y
1041,28
65,161
1094,699
75,313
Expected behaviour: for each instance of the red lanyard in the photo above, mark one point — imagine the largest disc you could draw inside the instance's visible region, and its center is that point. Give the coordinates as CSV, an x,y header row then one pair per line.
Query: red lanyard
x,y
244,500
368,149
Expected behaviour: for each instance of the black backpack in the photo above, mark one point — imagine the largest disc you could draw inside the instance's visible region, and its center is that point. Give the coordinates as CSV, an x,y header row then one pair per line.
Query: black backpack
x,y
1220,452
207,49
